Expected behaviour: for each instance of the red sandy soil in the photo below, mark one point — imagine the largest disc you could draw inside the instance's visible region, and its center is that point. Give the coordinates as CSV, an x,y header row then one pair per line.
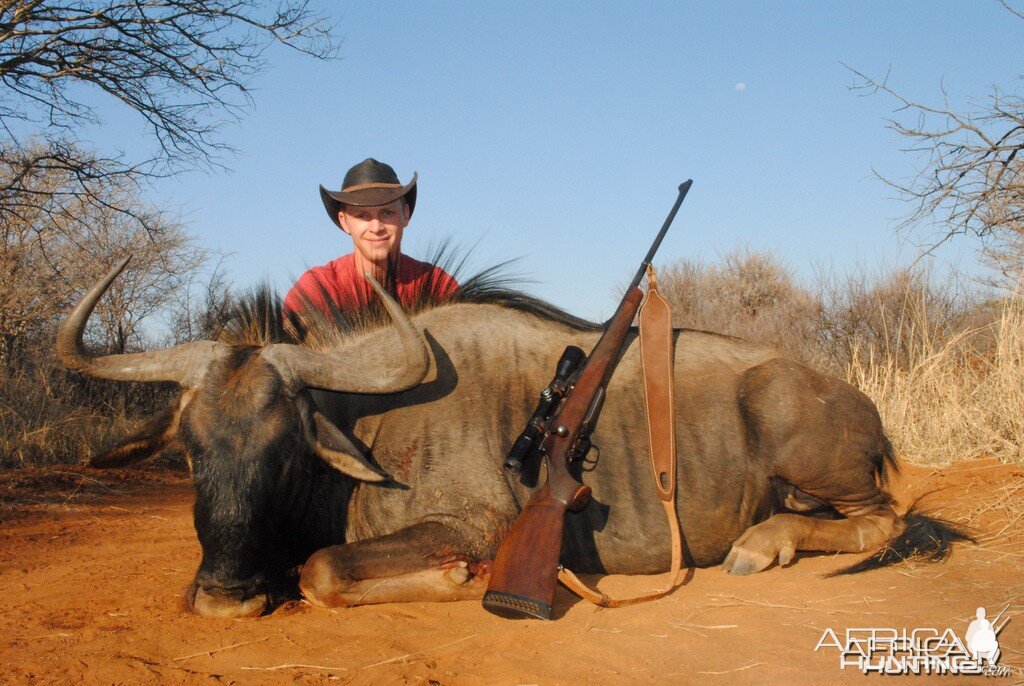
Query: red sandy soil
x,y
93,565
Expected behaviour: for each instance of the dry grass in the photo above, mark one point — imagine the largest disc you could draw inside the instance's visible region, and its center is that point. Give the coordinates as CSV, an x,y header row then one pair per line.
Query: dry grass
x,y
747,294
943,362
954,397
50,416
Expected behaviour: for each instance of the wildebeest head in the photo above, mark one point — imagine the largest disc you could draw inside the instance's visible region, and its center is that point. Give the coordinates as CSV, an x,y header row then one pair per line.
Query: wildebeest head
x,y
244,413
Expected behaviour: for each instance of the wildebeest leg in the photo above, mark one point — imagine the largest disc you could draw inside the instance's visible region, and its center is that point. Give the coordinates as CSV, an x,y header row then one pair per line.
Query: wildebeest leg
x,y
425,562
822,441
782,535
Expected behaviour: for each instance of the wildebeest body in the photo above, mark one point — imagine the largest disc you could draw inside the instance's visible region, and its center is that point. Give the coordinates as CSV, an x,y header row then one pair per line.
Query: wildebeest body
x,y
415,500
445,440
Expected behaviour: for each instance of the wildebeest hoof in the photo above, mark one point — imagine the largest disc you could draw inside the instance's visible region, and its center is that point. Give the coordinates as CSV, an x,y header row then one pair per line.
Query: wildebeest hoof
x,y
744,559
759,545
318,582
207,604
742,562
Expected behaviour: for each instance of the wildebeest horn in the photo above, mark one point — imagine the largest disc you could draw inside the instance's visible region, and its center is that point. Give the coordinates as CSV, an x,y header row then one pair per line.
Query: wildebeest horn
x,y
334,371
185,364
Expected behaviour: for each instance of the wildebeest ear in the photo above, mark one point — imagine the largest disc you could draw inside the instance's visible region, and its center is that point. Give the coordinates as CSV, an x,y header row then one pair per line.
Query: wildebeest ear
x,y
159,432
338,451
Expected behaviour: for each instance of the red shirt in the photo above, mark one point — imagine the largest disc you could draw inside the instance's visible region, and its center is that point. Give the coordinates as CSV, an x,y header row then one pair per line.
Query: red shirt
x,y
350,291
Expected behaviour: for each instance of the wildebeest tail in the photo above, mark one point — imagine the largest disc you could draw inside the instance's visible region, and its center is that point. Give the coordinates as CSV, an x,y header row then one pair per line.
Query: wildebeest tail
x,y
883,461
925,538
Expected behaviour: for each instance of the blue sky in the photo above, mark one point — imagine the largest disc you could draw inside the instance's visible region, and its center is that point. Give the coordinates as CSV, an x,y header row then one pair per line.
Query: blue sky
x,y
558,133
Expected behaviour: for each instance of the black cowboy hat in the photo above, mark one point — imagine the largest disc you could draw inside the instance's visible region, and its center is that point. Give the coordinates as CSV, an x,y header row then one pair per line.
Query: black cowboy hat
x,y
368,184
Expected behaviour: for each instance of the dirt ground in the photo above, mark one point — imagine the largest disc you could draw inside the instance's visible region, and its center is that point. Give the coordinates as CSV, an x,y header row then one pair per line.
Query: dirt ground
x,y
93,565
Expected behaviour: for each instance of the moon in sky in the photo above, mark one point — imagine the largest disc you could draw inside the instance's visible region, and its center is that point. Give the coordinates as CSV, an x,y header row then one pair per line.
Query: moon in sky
x,y
741,86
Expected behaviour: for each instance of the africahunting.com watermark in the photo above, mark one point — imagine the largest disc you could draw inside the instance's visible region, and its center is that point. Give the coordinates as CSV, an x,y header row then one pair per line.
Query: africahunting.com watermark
x,y
885,650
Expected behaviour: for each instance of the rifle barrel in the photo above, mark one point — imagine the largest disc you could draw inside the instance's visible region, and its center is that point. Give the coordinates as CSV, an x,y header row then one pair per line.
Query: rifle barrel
x,y
684,188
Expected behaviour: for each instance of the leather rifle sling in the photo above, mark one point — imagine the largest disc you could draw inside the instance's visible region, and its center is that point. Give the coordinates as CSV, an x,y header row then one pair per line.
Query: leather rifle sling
x,y
655,321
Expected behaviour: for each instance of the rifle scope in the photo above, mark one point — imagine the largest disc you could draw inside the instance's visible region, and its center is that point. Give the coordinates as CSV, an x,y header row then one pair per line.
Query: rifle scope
x,y
568,363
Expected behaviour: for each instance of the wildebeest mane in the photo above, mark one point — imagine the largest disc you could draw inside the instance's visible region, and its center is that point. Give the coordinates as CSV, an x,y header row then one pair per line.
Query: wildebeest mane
x,y
257,318
260,318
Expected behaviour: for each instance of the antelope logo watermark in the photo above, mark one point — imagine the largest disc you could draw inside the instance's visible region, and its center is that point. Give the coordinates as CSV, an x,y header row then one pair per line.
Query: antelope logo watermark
x,y
886,650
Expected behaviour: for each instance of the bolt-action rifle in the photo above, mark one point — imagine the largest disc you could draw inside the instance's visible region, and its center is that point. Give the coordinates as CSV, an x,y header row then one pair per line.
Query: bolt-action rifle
x,y
526,567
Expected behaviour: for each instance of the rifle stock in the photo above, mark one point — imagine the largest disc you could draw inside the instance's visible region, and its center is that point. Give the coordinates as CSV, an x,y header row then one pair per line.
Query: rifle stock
x,y
525,569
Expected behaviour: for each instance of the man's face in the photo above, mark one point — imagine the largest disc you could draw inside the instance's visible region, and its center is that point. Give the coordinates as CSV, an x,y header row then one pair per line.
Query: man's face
x,y
376,231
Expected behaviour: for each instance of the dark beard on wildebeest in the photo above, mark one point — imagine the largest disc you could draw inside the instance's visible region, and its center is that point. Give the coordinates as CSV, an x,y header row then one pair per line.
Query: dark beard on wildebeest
x,y
373,447
263,512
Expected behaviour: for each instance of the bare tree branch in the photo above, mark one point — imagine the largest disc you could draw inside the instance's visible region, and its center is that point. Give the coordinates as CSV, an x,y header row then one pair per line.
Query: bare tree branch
x,y
184,66
971,179
59,241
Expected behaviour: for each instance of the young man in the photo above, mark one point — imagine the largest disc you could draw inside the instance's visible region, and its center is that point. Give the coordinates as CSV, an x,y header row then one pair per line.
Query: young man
x,y
373,208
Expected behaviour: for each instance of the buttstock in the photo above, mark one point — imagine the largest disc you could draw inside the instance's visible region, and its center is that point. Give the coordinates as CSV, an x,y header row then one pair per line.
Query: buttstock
x,y
525,571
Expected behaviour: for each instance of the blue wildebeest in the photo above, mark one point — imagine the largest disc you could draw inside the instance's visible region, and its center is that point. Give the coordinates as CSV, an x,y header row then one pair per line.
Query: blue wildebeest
x,y
376,453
